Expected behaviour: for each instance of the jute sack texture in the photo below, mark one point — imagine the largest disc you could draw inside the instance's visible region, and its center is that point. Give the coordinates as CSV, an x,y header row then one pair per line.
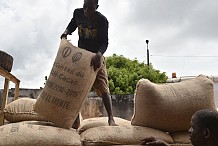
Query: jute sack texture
x,y
121,135
169,107
34,133
181,137
22,110
181,145
69,82
99,121
1,117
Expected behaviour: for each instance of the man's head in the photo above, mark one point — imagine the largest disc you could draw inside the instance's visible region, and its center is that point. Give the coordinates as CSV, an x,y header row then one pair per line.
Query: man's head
x,y
204,128
89,7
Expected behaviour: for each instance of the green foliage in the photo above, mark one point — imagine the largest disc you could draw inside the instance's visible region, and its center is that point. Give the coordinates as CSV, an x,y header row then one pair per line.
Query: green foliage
x,y
123,74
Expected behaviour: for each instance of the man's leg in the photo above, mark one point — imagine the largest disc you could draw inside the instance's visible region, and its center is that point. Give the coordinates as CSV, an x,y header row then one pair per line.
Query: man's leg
x,y
102,88
108,106
76,123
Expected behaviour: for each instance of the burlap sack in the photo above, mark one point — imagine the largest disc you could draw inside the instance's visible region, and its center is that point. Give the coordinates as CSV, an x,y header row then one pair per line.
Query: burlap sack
x,y
1,117
169,107
34,133
100,121
21,110
181,145
69,82
181,137
121,135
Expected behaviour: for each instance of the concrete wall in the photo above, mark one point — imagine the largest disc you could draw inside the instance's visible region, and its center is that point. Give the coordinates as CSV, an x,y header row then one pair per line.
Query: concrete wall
x,y
23,92
93,105
122,107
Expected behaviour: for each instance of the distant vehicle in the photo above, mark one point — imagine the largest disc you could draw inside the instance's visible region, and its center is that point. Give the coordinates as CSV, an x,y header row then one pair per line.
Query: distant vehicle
x,y
213,78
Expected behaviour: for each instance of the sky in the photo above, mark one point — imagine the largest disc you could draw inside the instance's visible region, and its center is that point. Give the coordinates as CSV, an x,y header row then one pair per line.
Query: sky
x,y
182,34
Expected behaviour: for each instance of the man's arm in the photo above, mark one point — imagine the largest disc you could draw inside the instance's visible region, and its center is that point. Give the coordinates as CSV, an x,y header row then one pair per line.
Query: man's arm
x,y
96,61
103,40
71,26
103,36
151,141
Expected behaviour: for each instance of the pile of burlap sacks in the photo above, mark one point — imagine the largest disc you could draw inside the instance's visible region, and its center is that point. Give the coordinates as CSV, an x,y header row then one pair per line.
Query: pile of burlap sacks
x,y
161,110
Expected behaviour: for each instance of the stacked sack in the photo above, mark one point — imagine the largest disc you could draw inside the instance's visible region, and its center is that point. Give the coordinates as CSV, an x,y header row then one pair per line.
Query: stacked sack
x,y
163,111
95,132
26,127
169,107
32,133
69,82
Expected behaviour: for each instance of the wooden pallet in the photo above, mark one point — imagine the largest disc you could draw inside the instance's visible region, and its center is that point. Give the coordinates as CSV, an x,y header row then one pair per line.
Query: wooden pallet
x,y
8,77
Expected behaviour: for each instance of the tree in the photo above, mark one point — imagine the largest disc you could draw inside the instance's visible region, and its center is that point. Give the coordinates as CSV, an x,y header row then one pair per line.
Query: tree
x,y
123,74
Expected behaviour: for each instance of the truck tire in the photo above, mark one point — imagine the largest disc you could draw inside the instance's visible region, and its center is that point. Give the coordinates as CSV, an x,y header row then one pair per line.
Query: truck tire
x,y
6,61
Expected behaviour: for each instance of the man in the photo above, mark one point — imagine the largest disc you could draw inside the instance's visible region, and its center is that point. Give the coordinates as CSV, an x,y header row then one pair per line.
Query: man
x,y
203,131
204,128
93,36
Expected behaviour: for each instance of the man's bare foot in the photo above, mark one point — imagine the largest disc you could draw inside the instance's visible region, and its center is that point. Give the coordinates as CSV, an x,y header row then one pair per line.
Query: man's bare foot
x,y
111,122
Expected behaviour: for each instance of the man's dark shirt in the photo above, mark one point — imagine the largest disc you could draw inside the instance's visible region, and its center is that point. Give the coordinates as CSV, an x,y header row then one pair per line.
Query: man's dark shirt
x,y
93,34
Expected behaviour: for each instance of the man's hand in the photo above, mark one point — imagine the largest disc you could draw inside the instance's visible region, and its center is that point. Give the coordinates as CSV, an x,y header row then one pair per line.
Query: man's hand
x,y
64,35
151,141
96,61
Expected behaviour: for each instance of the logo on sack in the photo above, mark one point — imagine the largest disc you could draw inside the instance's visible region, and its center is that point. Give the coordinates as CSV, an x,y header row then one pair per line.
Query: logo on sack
x,y
66,52
76,57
